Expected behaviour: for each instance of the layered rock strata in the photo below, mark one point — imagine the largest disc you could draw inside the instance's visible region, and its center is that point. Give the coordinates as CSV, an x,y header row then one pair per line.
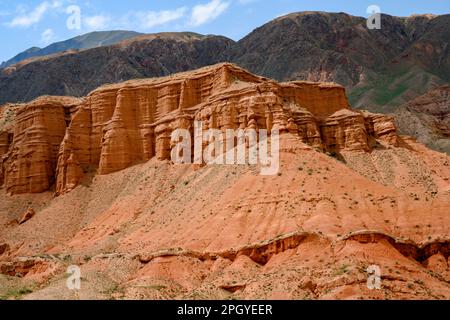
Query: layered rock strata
x,y
56,140
29,163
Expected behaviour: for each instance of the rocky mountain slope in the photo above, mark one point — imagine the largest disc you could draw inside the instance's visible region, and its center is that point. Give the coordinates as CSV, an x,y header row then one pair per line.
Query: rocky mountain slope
x,y
428,118
351,193
86,41
77,73
381,69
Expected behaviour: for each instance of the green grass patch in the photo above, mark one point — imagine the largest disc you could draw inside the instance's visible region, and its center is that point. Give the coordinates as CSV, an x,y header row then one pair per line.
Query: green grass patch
x,y
15,294
342,270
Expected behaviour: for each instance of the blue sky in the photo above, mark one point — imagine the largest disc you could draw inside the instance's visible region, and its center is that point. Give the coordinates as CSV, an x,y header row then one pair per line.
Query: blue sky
x,y
24,24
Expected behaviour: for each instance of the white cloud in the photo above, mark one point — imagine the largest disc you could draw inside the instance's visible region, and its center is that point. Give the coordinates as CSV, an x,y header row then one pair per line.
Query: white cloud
x,y
247,1
30,18
56,4
27,19
98,22
151,19
203,13
141,20
47,36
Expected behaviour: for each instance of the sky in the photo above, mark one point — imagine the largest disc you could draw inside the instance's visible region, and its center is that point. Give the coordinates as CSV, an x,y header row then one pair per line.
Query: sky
x,y
25,24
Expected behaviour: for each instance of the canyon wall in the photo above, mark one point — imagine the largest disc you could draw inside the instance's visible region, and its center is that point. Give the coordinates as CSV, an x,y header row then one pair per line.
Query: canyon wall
x,y
4,147
57,140
29,164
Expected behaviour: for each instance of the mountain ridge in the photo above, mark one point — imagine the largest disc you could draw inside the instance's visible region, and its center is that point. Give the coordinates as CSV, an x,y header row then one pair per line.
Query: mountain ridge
x,y
84,41
368,66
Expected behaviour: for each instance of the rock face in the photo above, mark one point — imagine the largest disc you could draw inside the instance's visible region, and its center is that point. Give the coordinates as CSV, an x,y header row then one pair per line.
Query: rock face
x,y
381,127
6,134
352,130
428,118
345,130
435,103
133,121
57,139
4,147
30,213
3,248
39,128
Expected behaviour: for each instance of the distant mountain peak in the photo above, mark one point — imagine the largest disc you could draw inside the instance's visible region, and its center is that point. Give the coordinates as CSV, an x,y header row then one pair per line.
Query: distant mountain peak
x,y
85,41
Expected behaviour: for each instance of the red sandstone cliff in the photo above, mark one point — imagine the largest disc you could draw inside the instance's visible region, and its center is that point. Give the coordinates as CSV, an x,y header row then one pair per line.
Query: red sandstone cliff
x,y
58,139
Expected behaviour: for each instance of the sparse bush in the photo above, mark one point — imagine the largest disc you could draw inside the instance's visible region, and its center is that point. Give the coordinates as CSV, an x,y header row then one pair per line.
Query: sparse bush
x,y
16,293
